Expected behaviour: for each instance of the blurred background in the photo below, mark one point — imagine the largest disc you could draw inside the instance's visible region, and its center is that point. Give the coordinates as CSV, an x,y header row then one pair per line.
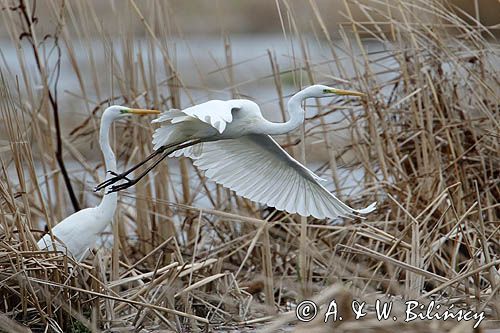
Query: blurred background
x,y
216,49
216,17
423,144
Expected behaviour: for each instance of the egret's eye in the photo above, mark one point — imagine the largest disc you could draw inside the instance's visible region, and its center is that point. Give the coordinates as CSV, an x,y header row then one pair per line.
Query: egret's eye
x,y
124,111
326,91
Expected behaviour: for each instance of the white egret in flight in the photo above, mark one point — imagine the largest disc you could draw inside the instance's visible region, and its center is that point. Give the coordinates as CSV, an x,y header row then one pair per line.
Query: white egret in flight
x,y
78,232
230,141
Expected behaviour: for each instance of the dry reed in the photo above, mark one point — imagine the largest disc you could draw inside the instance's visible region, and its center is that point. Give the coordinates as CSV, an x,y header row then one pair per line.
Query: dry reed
x,y
426,139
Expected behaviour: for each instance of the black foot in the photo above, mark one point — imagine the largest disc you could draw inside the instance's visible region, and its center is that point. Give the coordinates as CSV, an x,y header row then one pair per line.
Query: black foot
x,y
127,184
117,177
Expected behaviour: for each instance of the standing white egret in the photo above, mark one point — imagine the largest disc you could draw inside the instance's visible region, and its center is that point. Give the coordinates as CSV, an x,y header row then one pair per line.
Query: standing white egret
x,y
78,232
230,141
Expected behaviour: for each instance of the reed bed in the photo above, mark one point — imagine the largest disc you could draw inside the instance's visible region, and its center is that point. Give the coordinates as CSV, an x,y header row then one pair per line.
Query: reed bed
x,y
188,255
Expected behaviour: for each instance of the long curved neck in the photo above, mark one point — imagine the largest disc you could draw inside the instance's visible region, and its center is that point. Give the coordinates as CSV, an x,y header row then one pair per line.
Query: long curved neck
x,y
296,116
109,201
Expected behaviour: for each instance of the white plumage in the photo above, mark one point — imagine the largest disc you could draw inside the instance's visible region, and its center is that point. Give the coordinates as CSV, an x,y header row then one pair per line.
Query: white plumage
x,y
219,119
230,141
77,233
257,168
181,125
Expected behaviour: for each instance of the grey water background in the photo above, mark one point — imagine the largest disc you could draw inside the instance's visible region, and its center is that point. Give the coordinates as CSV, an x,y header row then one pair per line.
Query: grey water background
x,y
200,60
201,63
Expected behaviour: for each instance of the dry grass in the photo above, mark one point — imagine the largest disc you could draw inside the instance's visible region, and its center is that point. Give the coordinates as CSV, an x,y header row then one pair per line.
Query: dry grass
x,y
426,138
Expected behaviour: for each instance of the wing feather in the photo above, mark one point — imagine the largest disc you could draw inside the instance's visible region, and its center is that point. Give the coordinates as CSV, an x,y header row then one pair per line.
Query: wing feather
x,y
257,168
249,186
257,191
287,188
169,115
292,197
215,112
270,194
322,209
180,124
300,198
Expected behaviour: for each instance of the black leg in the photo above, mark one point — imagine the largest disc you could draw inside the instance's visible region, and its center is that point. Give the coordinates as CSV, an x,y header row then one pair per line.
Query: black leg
x,y
131,182
112,173
123,175
134,181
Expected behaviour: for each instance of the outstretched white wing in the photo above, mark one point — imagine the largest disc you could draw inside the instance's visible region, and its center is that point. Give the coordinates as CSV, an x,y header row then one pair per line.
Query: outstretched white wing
x,y
215,113
257,168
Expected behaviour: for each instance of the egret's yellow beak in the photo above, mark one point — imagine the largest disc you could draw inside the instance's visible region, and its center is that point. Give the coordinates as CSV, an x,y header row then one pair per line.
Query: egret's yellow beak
x,y
344,92
143,112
